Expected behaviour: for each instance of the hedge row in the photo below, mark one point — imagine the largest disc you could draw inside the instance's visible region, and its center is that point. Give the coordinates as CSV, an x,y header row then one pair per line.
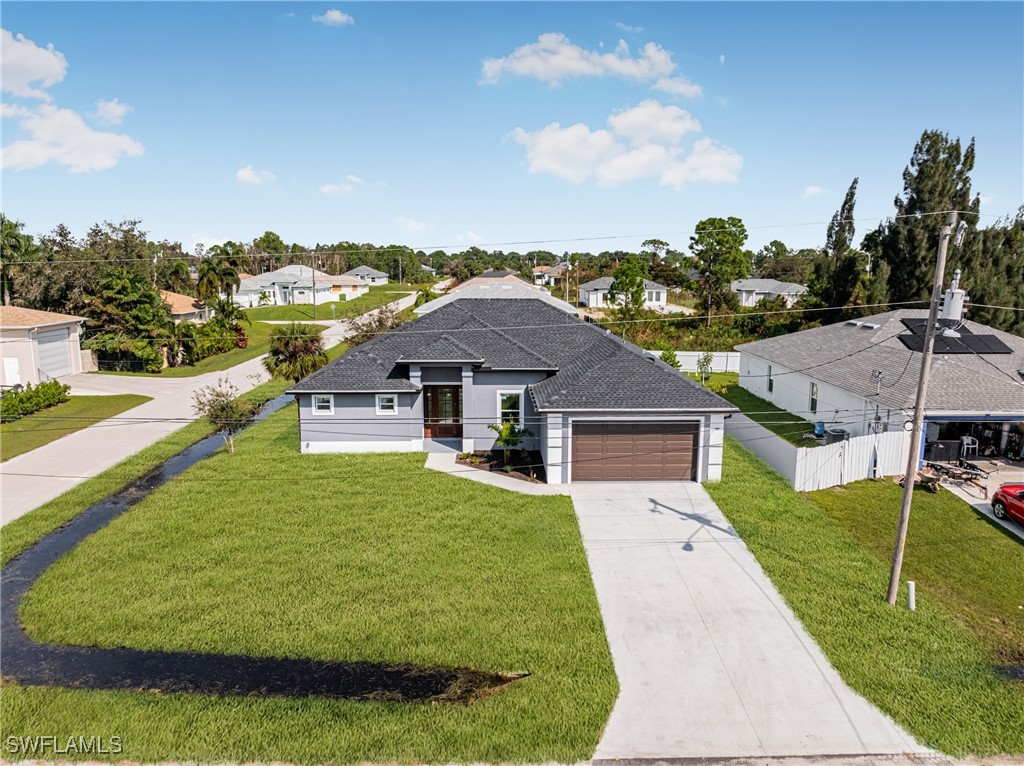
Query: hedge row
x,y
18,404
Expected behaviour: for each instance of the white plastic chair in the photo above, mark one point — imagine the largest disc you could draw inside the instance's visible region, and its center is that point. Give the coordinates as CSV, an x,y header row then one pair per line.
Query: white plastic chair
x,y
967,445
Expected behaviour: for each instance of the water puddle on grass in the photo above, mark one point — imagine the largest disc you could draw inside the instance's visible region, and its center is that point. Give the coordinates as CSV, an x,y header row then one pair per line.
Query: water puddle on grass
x,y
30,663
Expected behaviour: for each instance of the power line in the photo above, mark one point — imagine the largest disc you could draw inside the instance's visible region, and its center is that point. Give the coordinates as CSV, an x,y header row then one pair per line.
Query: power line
x,y
483,245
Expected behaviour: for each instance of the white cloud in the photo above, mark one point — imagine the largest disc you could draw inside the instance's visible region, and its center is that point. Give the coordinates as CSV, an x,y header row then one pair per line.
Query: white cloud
x,y
25,65
111,112
409,224
206,240
335,18
814,191
249,175
61,136
353,179
337,189
709,162
470,236
678,86
641,143
554,58
985,199
13,110
721,59
627,27
650,121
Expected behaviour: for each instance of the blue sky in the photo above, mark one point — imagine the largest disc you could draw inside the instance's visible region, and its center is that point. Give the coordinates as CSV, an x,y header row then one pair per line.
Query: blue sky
x,y
435,124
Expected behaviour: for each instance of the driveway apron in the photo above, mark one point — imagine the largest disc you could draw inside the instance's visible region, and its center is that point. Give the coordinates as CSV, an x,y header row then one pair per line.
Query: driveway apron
x,y
711,661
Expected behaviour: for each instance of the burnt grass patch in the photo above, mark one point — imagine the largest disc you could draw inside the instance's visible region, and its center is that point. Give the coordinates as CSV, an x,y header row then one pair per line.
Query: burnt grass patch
x,y
527,465
30,663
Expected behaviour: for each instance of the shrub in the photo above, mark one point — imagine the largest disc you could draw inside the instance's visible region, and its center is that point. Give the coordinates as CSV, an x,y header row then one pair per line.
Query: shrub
x,y
670,358
18,404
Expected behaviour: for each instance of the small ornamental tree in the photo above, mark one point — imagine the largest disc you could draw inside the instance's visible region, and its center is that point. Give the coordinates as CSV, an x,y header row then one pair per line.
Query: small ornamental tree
x,y
221,406
704,363
509,435
295,352
670,358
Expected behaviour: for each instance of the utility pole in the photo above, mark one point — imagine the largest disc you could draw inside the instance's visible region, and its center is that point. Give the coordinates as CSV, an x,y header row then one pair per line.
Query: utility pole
x,y
919,405
711,278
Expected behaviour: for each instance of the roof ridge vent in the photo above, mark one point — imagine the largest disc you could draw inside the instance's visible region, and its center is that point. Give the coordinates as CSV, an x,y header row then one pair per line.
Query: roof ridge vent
x,y
869,325
854,322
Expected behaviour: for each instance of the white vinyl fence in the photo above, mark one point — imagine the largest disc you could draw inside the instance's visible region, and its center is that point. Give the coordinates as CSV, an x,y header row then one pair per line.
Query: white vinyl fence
x,y
811,468
722,361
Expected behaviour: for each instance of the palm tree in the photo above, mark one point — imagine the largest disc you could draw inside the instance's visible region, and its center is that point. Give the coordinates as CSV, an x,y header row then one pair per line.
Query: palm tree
x,y
295,353
509,435
178,279
15,248
216,276
231,253
228,313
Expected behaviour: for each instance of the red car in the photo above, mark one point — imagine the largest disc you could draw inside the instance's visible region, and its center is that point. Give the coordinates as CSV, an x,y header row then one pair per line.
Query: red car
x,y
1008,500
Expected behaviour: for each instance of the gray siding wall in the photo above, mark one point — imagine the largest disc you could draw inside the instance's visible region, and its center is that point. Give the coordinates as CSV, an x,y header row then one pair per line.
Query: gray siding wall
x,y
480,404
355,419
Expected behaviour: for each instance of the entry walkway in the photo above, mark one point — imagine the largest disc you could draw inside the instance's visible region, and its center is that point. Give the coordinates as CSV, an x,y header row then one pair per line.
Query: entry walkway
x,y
711,661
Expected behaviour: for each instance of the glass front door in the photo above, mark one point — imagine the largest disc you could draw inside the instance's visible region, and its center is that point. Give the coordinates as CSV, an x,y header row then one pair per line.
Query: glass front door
x,y
442,412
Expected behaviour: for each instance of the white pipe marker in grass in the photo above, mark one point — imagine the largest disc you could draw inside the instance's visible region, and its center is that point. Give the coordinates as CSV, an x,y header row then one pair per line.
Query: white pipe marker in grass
x,y
911,595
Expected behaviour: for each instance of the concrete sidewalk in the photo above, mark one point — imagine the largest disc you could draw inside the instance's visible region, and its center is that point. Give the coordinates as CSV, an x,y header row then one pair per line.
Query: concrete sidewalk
x,y
29,480
711,662
445,463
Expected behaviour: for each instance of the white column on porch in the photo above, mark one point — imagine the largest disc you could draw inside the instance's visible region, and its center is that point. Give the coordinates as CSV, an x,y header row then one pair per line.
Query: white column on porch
x,y
468,408
554,460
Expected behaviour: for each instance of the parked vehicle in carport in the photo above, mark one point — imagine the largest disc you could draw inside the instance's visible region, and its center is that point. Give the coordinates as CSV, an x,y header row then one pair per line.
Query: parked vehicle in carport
x,y
1008,501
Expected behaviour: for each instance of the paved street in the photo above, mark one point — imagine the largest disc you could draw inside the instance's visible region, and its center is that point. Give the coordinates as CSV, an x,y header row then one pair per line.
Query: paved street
x,y
29,480
711,661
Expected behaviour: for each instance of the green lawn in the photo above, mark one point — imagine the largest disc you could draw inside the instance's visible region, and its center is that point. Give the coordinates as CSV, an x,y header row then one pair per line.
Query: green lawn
x,y
785,424
930,670
25,530
302,312
349,557
259,344
39,428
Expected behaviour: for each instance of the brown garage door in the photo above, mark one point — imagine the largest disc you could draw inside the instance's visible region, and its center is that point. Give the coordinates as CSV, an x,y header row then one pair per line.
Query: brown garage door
x,y
637,451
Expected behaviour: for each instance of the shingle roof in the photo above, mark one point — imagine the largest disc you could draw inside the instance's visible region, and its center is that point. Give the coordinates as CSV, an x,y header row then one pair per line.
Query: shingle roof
x,y
517,290
768,286
16,317
181,304
294,275
605,283
846,355
591,369
492,277
365,271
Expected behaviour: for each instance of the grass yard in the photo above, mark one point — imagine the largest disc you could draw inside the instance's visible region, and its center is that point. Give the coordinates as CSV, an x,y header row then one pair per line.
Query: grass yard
x,y
779,421
259,344
930,670
39,428
958,555
25,530
303,312
349,557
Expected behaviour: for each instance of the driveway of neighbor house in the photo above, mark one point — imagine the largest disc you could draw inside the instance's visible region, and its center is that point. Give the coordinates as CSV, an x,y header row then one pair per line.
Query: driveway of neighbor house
x,y
711,661
38,476
980,499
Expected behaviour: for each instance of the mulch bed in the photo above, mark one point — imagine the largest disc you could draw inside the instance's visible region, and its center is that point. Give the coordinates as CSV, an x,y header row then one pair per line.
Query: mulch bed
x,y
528,466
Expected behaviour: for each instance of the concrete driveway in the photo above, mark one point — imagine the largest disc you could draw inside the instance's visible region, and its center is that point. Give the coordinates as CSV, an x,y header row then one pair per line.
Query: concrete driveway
x,y
711,662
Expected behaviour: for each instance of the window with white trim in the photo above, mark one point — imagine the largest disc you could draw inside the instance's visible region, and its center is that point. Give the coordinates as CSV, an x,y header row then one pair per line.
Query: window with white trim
x,y
323,404
510,407
387,404
814,398
771,383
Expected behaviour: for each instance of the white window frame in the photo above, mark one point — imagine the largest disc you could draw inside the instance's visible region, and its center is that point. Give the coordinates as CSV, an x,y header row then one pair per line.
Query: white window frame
x,y
814,398
393,397
519,393
330,402
771,382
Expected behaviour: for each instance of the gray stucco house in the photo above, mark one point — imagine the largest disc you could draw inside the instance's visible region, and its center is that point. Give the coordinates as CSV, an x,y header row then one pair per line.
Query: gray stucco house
x,y
368,274
599,408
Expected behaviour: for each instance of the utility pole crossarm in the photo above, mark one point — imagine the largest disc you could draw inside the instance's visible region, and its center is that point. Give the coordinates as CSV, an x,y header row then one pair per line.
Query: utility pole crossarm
x,y
919,406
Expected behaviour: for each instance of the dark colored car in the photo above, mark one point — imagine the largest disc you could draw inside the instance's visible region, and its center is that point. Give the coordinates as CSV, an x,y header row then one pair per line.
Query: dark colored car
x,y
1008,501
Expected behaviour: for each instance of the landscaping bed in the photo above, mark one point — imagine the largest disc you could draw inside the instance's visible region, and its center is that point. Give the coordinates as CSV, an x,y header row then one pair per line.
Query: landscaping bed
x,y
932,670
348,558
527,465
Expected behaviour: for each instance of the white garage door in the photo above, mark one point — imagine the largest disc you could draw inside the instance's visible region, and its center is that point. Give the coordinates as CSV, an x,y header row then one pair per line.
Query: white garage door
x,y
54,354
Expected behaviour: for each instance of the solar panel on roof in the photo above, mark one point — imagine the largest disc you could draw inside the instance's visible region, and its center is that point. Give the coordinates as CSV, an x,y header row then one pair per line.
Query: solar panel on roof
x,y
966,343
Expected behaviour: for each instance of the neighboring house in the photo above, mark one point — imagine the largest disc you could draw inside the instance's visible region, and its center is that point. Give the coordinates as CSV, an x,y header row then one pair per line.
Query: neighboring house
x,y
599,408
368,275
291,284
595,294
518,290
861,376
185,308
429,270
750,291
38,345
345,288
497,276
550,275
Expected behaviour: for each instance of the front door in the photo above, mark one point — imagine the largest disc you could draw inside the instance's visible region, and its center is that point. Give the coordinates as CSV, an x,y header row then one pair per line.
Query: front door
x,y
442,412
